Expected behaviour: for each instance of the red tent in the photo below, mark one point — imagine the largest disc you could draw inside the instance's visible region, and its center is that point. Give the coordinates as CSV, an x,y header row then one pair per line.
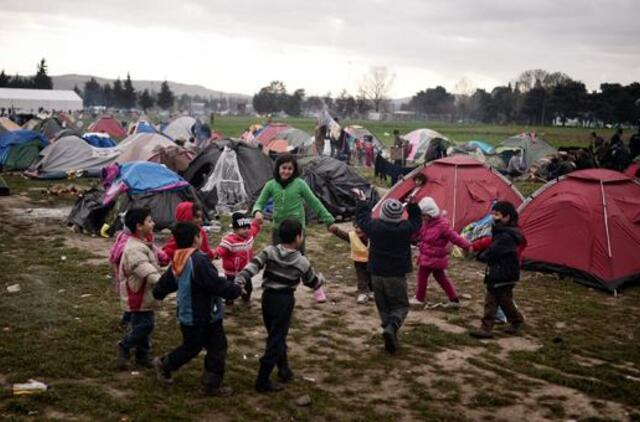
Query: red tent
x,y
269,133
633,170
587,225
463,186
108,125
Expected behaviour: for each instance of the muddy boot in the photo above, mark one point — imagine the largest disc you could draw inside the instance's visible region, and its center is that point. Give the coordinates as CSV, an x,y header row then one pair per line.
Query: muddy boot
x,y
122,356
481,334
263,383
162,374
211,385
390,340
513,330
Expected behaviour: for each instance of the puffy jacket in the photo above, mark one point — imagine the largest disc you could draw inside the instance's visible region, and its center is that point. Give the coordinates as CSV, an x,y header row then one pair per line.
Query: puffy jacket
x,y
184,212
434,236
139,271
288,202
503,263
236,251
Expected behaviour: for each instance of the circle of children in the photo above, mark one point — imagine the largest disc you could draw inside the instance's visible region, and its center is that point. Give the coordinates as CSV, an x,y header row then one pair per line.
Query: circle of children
x,y
380,249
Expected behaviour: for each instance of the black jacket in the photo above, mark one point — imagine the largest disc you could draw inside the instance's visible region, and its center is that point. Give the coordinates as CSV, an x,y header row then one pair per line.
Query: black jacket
x,y
389,243
503,264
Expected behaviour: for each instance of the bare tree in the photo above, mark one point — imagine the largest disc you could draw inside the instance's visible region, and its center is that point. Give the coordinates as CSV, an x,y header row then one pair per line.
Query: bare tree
x,y
532,78
376,85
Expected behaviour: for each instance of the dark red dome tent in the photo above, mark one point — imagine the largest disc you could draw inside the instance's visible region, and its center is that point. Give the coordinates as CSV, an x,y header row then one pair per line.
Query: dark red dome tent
x,y
585,225
463,186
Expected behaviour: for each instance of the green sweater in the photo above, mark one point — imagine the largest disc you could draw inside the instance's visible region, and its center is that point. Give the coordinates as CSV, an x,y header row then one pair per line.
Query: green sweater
x,y
288,202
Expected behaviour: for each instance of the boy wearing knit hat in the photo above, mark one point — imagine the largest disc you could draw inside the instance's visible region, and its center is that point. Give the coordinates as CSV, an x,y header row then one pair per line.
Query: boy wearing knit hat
x,y
389,260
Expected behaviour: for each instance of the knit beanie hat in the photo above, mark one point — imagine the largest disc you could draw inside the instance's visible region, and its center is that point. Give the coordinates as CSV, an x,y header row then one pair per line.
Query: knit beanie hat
x,y
239,220
391,211
429,207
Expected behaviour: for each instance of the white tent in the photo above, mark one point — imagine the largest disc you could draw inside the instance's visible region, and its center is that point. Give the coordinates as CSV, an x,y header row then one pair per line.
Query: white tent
x,y
31,100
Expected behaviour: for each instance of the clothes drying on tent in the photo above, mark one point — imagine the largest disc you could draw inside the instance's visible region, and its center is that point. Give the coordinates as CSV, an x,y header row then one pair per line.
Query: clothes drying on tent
x,y
331,181
99,140
254,168
363,134
108,125
384,168
533,148
19,149
483,146
463,187
585,225
420,139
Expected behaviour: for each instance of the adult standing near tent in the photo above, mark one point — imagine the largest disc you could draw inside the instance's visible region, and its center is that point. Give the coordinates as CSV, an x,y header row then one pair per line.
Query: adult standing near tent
x,y
634,144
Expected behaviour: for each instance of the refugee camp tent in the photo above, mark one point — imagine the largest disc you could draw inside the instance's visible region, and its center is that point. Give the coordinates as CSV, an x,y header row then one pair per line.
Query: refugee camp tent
x,y
462,187
585,225
136,184
49,127
32,124
420,139
182,128
332,181
361,133
229,173
269,132
71,155
19,149
8,125
157,148
634,168
99,140
297,141
533,147
483,146
109,125
142,126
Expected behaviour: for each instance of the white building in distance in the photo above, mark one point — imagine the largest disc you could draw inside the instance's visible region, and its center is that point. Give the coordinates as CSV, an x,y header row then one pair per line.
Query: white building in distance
x,y
32,100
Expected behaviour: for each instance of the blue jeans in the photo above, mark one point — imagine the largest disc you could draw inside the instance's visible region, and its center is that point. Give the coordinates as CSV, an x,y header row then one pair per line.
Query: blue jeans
x,y
139,334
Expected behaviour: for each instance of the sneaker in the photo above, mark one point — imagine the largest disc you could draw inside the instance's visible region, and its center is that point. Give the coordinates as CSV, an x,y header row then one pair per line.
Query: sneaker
x,y
122,356
162,374
453,305
415,302
362,299
481,334
433,305
216,392
268,387
390,341
319,295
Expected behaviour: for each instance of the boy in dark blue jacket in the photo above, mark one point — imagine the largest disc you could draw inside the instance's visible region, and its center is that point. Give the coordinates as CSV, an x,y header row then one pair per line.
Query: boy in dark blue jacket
x,y
503,270
389,260
200,292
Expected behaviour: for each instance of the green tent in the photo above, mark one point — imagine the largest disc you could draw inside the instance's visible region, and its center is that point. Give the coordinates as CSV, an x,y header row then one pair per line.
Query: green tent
x,y
21,156
4,188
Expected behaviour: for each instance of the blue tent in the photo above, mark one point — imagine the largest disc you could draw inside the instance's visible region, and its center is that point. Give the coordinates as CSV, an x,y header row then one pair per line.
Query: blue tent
x,y
144,127
144,176
483,146
12,141
99,140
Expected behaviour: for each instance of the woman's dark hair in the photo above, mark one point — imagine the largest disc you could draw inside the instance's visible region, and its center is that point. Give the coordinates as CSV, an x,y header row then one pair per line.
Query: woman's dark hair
x,y
286,158
136,216
420,177
507,208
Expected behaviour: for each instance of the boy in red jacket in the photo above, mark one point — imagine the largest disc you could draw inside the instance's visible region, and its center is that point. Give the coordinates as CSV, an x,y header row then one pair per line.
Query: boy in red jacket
x,y
236,249
191,213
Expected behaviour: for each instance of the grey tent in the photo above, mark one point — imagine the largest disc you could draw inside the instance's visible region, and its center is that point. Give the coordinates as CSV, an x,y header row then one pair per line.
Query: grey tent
x,y
332,181
181,128
300,142
533,147
49,127
229,173
71,154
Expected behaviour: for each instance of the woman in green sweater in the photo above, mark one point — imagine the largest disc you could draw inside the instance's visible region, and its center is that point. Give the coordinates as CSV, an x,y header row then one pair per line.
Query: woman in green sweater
x,y
289,193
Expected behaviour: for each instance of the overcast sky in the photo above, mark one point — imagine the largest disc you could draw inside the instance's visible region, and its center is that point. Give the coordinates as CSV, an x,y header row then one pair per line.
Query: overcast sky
x,y
324,45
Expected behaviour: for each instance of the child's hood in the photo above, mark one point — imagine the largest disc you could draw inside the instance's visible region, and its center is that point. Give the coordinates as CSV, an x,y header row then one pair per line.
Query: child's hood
x,y
513,232
184,211
180,259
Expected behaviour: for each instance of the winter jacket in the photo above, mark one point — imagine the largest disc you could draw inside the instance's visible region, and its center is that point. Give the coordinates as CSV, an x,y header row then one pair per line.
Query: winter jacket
x,y
199,288
139,271
115,254
503,263
236,251
434,236
184,212
288,202
484,242
283,269
389,243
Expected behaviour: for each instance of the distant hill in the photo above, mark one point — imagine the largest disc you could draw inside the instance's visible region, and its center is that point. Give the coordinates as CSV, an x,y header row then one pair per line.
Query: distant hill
x,y
69,81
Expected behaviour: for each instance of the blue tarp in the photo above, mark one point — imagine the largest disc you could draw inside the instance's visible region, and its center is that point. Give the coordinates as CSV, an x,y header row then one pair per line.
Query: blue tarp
x,y
143,176
145,127
484,147
99,141
19,137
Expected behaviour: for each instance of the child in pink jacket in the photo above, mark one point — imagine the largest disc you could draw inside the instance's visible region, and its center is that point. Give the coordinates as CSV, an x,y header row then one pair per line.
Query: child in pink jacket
x,y
434,236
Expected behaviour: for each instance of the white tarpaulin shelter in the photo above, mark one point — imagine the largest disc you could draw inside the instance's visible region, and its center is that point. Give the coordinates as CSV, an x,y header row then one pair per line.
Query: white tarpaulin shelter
x,y
31,100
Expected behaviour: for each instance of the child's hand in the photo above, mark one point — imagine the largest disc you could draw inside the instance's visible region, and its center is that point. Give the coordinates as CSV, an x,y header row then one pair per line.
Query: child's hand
x,y
258,217
332,228
359,194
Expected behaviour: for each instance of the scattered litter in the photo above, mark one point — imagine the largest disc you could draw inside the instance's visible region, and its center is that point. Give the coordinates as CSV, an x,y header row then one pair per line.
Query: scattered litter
x,y
135,373
62,290
256,356
629,377
85,295
63,189
14,288
31,387
338,276
6,329
108,276
77,318
466,296
304,401
29,210
63,258
332,267
244,357
310,379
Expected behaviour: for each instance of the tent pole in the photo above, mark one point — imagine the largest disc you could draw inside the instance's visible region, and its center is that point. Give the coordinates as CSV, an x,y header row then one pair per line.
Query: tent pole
x,y
606,218
455,195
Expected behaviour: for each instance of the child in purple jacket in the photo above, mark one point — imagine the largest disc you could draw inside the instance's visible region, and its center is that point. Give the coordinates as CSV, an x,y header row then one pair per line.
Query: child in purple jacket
x,y
433,237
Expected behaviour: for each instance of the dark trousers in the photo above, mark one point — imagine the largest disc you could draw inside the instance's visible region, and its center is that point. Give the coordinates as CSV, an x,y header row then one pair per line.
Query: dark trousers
x,y
277,307
139,335
210,337
363,276
502,297
275,240
391,298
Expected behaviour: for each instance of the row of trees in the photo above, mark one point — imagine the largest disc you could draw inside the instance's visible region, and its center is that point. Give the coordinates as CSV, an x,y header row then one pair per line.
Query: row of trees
x,y
40,80
123,95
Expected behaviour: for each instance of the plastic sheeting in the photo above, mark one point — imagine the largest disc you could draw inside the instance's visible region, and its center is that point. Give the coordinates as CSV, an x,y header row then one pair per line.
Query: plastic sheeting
x,y
227,182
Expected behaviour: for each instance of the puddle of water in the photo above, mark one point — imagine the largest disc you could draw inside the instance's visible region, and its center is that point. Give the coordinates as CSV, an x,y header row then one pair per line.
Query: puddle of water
x,y
35,213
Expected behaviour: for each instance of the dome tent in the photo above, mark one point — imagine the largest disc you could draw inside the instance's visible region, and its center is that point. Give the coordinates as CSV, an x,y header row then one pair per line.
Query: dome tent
x,y
360,133
533,147
236,178
420,139
19,149
154,147
136,184
99,140
585,225
108,125
462,186
297,141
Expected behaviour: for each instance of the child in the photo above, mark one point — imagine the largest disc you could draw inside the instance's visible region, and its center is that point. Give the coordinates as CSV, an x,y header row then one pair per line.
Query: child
x,y
434,236
200,311
290,193
419,180
389,260
360,254
191,212
503,270
284,267
236,249
139,271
